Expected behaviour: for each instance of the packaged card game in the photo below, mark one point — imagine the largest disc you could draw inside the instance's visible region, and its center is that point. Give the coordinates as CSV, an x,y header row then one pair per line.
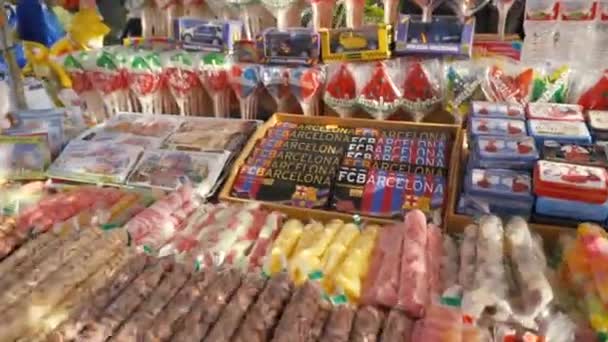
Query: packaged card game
x,y
580,210
570,182
499,184
24,157
562,131
592,155
499,110
555,111
598,122
502,152
497,127
95,162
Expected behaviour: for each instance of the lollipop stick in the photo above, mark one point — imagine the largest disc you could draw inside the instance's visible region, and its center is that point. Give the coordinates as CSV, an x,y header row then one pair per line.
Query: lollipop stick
x,y
249,107
502,24
391,11
221,101
288,16
354,13
311,108
426,14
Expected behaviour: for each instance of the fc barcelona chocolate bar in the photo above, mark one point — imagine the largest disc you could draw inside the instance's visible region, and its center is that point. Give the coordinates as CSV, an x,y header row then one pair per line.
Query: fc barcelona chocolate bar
x,y
302,146
410,151
394,166
387,193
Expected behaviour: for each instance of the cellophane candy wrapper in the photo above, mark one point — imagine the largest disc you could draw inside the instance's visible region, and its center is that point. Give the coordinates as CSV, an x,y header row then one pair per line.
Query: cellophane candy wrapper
x,y
589,89
144,74
336,252
276,81
108,78
73,64
380,96
507,81
245,81
283,246
322,13
421,89
182,80
306,258
307,86
213,71
462,83
551,84
287,12
342,89
261,247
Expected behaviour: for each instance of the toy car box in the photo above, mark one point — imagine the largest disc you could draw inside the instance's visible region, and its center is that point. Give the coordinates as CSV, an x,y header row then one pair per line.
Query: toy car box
x,y
555,111
502,152
575,132
598,122
356,44
570,182
289,46
444,35
497,127
207,35
592,155
483,109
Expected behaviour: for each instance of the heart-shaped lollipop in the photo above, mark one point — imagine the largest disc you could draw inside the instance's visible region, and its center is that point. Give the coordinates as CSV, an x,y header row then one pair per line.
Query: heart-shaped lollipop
x,y
213,73
420,94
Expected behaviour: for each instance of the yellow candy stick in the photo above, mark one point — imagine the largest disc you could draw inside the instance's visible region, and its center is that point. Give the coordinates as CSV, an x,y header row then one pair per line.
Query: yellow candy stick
x,y
283,246
308,258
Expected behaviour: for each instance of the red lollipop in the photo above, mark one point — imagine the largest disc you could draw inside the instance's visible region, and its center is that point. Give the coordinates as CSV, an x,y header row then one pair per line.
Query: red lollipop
x,y
499,86
596,97
341,90
380,96
420,94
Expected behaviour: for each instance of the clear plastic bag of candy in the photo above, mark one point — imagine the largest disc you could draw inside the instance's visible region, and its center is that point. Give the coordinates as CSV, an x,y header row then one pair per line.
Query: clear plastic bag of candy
x,y
507,81
462,85
421,86
551,84
380,95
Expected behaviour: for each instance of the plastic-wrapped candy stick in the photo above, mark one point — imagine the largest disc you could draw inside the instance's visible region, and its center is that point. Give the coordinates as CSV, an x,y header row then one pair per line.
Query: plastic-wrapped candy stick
x,y
144,75
276,81
341,89
182,80
250,12
322,13
287,12
380,96
213,69
307,85
245,81
550,85
462,83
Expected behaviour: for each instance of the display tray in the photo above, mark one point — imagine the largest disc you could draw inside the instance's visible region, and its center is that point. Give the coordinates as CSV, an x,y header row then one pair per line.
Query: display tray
x,y
457,222
324,215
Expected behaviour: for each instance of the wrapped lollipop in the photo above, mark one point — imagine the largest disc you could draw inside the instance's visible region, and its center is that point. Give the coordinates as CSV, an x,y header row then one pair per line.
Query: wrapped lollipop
x,y
427,7
307,85
245,81
550,85
83,86
322,13
107,79
144,75
590,87
276,81
182,81
391,12
287,12
509,82
213,69
122,55
148,19
380,96
421,86
463,79
341,89
465,9
250,12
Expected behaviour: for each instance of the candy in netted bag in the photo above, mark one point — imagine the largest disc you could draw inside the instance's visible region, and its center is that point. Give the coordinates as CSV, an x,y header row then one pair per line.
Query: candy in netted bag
x,y
463,80
550,84
380,95
306,86
421,86
590,88
144,73
341,90
507,81
212,70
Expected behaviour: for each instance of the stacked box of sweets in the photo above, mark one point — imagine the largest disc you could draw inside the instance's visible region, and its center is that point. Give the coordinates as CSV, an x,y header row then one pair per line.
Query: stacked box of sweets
x,y
598,124
354,170
498,177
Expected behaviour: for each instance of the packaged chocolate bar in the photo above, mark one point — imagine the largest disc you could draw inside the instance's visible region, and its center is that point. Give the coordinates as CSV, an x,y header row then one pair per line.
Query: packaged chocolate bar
x,y
96,162
555,111
265,157
159,126
570,182
307,190
499,110
479,206
166,169
561,131
327,166
499,183
320,147
388,134
394,167
211,134
598,122
593,155
503,152
24,157
497,127
314,132
381,193
409,151
579,210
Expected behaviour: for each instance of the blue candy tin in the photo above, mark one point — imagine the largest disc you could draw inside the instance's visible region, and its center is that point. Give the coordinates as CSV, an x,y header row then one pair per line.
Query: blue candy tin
x,y
561,131
497,127
499,184
583,211
503,152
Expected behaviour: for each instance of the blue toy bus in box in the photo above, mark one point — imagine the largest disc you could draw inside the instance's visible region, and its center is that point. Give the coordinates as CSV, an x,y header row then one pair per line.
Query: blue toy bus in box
x,y
207,35
289,46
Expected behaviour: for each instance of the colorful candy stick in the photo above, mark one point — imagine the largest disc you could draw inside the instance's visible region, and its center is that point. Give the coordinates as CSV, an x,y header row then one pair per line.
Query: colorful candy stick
x,y
354,13
213,72
306,85
245,81
322,13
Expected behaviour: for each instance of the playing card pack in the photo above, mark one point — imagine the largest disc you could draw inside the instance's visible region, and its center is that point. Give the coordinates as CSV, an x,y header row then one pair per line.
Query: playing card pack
x,y
592,155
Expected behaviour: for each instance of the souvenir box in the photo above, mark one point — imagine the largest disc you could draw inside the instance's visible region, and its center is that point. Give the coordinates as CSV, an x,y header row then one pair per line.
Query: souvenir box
x,y
356,44
280,120
497,127
444,36
555,111
207,35
484,109
35,122
598,122
571,182
502,152
581,211
591,155
291,46
575,132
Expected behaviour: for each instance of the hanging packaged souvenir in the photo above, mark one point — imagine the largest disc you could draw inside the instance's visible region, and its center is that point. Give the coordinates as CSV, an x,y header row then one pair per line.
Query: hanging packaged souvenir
x,y
307,86
212,70
463,79
276,81
341,90
245,81
183,82
507,82
96,162
379,96
551,86
421,86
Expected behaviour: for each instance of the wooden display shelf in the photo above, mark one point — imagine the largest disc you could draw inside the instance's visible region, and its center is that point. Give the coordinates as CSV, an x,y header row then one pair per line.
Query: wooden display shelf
x,y
324,215
457,222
